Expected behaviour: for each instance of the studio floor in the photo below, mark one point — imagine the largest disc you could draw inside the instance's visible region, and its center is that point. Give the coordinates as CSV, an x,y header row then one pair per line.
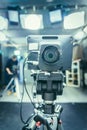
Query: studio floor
x,y
73,100
74,116
70,95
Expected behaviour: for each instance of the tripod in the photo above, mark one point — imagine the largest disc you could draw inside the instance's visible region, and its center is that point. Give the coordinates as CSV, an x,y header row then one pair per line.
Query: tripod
x,y
47,115
10,82
41,121
16,84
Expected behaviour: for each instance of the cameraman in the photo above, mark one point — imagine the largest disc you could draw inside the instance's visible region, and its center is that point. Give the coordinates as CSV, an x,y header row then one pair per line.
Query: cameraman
x,y
10,72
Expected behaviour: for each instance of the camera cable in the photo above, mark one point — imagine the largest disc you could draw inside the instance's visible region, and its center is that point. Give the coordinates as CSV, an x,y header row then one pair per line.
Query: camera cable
x,y
25,89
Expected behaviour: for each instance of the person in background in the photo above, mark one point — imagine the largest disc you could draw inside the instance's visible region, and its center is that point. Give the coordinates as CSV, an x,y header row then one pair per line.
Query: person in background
x,y
10,71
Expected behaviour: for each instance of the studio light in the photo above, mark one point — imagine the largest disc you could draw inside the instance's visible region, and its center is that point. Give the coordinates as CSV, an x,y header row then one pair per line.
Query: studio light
x,y
55,16
74,20
3,23
49,0
79,35
32,21
2,37
17,52
13,15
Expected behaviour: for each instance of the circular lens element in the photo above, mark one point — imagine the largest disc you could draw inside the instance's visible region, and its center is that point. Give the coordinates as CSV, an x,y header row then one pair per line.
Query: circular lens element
x,y
50,54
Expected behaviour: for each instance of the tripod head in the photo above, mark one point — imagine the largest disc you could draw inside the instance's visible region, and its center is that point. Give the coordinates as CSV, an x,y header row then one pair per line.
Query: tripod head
x,y
49,85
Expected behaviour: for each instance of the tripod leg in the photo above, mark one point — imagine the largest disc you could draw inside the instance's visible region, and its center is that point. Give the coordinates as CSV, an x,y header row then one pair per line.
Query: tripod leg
x,y
10,82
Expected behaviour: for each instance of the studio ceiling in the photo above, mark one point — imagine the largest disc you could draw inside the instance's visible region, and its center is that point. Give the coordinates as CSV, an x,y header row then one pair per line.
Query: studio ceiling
x,y
5,3
17,34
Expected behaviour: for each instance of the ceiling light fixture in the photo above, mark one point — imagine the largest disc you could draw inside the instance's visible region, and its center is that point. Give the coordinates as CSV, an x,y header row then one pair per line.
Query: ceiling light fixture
x,y
79,35
74,20
55,16
3,23
3,37
31,21
13,15
49,0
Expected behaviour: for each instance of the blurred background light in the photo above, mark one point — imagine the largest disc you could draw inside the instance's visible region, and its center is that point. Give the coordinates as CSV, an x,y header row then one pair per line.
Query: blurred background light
x,y
13,15
3,23
16,52
74,20
3,37
32,21
80,35
55,16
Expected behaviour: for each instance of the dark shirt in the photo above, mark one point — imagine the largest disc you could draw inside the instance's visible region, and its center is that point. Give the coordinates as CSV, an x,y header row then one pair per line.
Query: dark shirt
x,y
12,65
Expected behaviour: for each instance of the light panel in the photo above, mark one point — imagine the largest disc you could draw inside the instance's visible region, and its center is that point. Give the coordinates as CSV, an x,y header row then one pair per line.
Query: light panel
x,y
80,35
31,21
3,37
13,15
17,52
74,20
3,23
55,16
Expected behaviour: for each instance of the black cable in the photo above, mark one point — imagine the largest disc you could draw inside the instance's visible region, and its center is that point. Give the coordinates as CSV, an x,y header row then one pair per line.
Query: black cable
x,y
24,87
24,83
28,94
21,107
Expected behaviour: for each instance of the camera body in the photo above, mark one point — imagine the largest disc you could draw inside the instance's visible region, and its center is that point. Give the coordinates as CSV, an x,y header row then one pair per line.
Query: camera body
x,y
52,53
51,56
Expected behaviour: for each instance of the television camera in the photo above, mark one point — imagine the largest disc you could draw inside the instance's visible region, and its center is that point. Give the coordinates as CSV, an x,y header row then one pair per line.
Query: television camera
x,y
49,56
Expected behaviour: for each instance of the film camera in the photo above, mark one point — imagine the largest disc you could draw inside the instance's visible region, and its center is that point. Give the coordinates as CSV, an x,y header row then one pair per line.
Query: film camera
x,y
51,56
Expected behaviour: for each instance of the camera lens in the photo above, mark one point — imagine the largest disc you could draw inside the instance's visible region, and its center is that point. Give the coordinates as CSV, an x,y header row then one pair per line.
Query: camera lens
x,y
50,54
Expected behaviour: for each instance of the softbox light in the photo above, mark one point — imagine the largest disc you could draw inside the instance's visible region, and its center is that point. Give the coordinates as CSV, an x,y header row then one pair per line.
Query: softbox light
x,y
13,15
55,16
31,21
74,20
